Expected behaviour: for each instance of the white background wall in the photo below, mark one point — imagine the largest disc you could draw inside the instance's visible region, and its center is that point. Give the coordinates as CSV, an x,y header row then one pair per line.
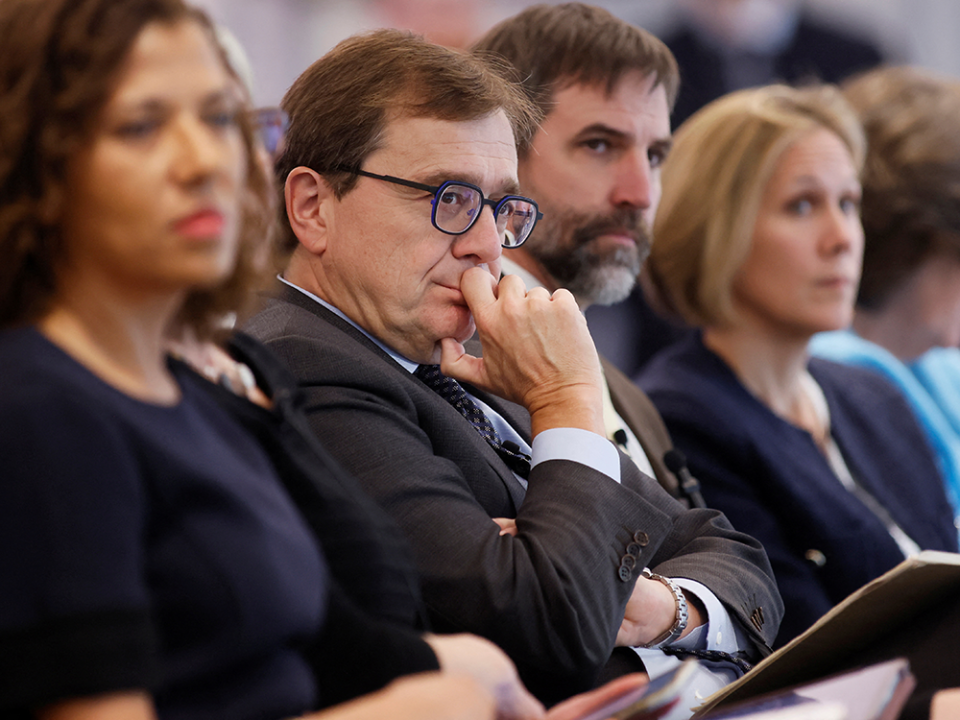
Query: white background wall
x,y
282,37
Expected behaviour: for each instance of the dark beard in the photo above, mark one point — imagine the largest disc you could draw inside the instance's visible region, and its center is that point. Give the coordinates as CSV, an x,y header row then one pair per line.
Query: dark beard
x,y
567,253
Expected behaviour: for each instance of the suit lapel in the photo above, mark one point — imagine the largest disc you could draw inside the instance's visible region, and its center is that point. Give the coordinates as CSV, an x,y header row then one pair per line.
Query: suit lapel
x,y
639,413
512,413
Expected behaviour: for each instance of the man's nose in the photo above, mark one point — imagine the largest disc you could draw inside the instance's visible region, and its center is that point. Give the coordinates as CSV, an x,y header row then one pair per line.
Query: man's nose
x,y
483,240
634,182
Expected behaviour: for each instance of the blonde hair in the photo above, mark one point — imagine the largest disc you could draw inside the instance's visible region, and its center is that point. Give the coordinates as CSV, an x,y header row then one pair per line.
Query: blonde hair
x,y
713,182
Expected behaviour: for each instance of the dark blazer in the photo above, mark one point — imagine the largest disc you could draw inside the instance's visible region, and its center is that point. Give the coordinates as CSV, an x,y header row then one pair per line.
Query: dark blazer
x,y
553,597
771,480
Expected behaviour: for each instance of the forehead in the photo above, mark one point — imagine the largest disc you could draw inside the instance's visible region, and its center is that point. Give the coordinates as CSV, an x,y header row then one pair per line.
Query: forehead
x,y
635,107
170,59
818,155
481,151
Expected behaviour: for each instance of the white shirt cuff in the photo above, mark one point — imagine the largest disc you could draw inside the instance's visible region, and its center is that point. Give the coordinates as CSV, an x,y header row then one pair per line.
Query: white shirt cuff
x,y
719,632
582,446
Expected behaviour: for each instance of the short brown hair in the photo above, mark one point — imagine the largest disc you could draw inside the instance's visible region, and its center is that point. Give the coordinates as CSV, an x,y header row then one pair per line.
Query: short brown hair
x,y
340,105
911,179
722,159
59,63
551,47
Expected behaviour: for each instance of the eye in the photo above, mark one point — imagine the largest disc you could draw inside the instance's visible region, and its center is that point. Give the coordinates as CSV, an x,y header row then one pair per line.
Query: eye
x,y
656,158
221,118
801,206
850,205
454,196
138,129
597,145
508,208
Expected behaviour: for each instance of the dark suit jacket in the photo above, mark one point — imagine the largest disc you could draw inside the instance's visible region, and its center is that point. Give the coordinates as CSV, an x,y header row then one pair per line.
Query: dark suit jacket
x,y
770,479
552,597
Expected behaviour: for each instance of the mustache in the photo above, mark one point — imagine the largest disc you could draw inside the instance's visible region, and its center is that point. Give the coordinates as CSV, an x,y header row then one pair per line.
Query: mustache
x,y
627,221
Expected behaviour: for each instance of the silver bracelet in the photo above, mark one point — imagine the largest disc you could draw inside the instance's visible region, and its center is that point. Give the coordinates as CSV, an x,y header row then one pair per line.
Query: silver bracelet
x,y
679,623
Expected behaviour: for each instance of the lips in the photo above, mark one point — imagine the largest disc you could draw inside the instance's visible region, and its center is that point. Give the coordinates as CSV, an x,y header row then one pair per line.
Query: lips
x,y
205,224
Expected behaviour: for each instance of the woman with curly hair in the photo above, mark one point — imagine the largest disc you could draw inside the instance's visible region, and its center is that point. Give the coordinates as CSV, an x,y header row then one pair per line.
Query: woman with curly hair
x,y
152,559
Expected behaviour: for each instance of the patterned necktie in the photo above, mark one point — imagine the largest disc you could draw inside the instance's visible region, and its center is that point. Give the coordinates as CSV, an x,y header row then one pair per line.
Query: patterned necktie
x,y
451,391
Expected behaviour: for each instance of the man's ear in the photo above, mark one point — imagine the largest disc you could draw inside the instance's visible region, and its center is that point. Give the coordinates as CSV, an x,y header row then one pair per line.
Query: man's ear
x,y
308,196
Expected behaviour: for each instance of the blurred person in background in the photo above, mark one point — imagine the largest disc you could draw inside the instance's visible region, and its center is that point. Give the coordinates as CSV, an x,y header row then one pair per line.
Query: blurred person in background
x,y
906,324
758,244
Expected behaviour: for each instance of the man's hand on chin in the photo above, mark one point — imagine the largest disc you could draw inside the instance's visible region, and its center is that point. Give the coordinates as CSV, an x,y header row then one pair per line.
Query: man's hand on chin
x,y
537,351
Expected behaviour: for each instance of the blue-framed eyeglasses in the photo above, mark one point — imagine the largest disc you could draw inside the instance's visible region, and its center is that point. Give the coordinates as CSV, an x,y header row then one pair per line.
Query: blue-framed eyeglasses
x,y
271,124
457,205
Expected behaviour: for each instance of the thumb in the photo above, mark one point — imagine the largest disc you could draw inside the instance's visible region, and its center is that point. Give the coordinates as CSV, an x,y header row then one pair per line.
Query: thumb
x,y
455,362
479,289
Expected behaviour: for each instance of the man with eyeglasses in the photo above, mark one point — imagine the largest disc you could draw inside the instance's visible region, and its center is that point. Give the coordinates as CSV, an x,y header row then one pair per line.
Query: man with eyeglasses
x,y
528,525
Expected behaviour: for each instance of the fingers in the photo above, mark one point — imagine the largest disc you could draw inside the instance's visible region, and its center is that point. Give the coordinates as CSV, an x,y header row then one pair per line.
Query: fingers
x,y
456,363
487,664
591,701
516,702
479,288
508,526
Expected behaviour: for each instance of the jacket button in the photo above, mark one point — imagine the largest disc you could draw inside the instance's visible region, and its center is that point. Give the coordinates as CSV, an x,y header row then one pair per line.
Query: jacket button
x,y
633,549
641,538
816,557
628,561
625,573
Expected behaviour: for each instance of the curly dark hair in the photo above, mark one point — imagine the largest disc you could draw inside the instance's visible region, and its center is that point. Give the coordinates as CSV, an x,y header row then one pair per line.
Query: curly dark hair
x,y
59,63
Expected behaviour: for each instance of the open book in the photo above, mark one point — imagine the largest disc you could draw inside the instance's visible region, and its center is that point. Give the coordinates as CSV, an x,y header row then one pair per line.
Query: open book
x,y
912,611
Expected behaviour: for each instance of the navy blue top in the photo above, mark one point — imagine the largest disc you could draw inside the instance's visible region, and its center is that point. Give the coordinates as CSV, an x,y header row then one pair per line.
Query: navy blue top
x,y
144,546
771,480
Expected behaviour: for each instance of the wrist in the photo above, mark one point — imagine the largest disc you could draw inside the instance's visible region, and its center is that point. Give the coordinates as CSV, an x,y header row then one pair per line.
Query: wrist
x,y
578,406
680,617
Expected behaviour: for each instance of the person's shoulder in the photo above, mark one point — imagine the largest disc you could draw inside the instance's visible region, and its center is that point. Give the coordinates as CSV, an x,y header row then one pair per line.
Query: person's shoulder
x,y
862,391
681,367
696,392
279,315
842,374
37,373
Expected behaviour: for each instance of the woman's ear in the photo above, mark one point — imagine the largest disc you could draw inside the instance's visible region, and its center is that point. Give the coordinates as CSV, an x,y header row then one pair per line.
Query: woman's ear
x,y
307,196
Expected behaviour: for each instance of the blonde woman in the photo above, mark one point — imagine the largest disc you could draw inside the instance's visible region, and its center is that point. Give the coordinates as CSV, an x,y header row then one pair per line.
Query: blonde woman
x,y
758,244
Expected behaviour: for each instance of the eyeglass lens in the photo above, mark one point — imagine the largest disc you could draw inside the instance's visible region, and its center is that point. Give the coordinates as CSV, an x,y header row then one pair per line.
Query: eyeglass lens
x,y
457,206
271,123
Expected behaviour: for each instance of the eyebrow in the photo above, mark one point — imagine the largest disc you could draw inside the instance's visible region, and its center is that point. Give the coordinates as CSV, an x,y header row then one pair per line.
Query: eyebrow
x,y
509,187
154,103
661,144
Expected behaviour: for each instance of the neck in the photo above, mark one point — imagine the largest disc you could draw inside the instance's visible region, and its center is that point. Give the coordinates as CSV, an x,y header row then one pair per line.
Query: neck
x,y
121,342
769,367
891,330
